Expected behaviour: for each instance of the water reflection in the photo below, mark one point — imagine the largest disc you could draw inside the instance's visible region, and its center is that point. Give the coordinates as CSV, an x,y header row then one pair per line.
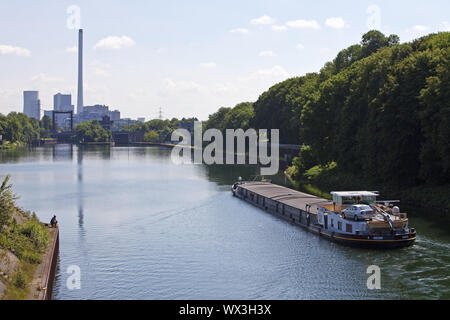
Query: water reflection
x,y
62,152
80,189
228,174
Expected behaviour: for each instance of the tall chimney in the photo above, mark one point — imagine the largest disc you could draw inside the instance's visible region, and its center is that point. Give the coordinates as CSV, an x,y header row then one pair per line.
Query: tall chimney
x,y
80,104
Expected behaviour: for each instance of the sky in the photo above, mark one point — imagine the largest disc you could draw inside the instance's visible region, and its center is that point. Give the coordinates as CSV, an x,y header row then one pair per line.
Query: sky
x,y
187,57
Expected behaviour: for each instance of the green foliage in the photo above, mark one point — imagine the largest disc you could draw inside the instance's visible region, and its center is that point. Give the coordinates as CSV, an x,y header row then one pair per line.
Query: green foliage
x,y
239,117
151,136
385,117
317,171
92,132
380,110
280,107
216,120
375,40
7,202
46,127
18,128
27,248
25,241
19,280
36,232
304,161
163,128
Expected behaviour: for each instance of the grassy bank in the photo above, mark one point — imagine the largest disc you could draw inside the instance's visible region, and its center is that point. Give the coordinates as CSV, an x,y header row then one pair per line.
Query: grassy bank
x,y
23,240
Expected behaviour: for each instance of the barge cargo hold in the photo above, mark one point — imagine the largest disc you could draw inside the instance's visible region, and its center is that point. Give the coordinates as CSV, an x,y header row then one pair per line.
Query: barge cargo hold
x,y
385,227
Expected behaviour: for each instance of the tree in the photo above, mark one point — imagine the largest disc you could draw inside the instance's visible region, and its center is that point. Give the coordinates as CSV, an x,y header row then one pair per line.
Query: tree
x,y
240,117
151,136
347,57
280,107
216,120
7,202
375,40
385,118
18,128
92,132
46,127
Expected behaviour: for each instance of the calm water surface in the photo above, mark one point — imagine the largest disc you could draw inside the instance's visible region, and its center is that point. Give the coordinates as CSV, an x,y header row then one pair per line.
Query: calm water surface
x,y
140,227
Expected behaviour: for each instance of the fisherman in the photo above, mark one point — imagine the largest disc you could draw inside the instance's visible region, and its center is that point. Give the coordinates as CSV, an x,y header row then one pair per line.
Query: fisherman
x,y
54,222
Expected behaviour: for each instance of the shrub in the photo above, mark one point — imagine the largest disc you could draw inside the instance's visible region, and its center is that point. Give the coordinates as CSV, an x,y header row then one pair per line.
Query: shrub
x,y
7,202
151,136
19,280
36,232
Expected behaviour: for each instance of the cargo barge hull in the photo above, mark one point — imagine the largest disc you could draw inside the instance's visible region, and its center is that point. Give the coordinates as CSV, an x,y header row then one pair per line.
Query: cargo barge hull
x,y
300,209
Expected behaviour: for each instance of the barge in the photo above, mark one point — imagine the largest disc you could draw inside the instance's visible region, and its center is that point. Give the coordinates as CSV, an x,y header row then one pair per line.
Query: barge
x,y
352,218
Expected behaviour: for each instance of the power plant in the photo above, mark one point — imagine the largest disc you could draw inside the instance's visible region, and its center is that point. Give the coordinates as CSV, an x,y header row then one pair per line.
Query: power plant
x,y
63,114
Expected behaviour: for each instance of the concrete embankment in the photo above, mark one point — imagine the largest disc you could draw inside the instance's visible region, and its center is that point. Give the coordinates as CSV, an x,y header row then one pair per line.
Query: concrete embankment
x,y
41,288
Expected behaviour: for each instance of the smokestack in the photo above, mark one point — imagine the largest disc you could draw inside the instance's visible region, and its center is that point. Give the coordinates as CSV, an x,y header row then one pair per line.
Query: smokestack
x,y
80,104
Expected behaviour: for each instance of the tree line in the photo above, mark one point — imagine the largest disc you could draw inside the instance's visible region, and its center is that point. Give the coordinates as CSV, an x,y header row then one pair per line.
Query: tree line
x,y
18,128
379,112
158,130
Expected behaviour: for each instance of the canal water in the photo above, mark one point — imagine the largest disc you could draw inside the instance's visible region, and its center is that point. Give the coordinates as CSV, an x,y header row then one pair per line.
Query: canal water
x,y
140,227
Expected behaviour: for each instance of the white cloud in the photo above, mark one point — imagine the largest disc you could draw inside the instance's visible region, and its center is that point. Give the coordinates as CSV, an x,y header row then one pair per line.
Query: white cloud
x,y
418,31
267,53
114,43
72,49
224,88
303,24
43,77
14,51
169,84
264,20
100,72
242,31
445,25
208,65
279,28
174,87
300,47
274,73
99,69
161,50
335,23
420,28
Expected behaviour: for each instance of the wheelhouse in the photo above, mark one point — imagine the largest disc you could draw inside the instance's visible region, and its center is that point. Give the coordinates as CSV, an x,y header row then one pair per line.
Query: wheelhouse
x,y
342,200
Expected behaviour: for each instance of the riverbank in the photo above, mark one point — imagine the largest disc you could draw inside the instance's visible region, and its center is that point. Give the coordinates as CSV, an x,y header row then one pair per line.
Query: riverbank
x,y
112,144
24,247
41,287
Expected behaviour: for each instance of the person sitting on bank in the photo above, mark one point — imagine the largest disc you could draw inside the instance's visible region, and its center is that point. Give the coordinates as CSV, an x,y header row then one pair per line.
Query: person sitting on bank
x,y
54,222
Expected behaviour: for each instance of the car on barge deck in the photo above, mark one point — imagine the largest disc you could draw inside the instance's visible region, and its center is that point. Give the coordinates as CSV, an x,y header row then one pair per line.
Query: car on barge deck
x,y
384,227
